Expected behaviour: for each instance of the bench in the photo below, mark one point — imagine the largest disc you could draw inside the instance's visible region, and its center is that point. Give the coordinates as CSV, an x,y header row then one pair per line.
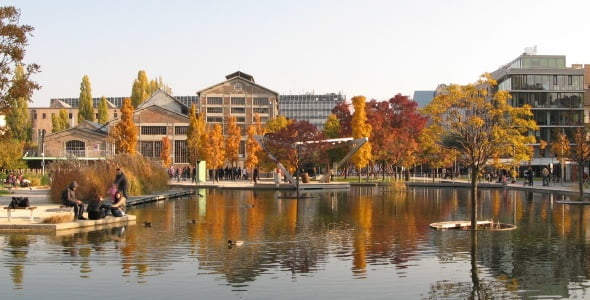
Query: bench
x,y
30,208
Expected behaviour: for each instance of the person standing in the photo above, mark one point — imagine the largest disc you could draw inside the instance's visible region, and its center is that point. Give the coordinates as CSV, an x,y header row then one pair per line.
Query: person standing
x,y
68,198
255,175
121,182
545,173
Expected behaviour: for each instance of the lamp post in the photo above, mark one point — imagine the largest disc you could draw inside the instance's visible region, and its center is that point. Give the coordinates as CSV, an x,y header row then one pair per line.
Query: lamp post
x,y
43,151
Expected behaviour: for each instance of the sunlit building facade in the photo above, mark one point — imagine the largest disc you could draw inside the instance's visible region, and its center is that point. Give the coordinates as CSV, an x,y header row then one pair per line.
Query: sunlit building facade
x,y
309,107
554,91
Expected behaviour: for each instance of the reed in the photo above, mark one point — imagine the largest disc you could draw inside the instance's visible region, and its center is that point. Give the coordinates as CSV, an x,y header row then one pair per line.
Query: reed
x,y
144,176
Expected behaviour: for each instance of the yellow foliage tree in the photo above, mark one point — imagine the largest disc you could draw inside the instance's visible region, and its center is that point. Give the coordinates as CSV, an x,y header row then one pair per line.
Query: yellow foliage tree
x,y
196,137
216,147
124,133
232,140
361,129
254,149
481,125
561,148
580,153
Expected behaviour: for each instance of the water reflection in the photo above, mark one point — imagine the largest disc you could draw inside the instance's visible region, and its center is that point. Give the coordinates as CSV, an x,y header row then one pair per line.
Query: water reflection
x,y
369,235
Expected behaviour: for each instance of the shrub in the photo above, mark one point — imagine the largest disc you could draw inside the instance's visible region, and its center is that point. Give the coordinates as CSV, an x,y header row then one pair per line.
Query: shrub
x,y
144,176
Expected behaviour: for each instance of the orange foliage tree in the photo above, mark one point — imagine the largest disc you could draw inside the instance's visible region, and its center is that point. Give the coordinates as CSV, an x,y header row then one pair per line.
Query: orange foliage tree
x,y
216,148
232,140
165,153
124,133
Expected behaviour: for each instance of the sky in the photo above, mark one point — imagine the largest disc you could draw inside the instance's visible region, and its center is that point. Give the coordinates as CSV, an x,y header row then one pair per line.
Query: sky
x,y
368,47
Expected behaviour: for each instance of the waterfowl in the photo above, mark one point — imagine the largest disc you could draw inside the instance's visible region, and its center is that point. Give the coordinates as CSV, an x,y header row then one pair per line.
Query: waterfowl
x,y
234,243
147,224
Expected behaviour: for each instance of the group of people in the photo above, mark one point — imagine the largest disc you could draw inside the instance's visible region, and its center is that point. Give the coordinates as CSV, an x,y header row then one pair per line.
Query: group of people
x,y
17,180
97,208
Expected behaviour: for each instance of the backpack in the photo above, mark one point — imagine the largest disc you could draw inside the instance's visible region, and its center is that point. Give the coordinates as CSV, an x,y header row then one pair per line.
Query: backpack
x,y
19,202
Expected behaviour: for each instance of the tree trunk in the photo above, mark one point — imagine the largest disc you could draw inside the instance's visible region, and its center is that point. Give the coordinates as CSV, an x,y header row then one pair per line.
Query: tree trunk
x,y
474,173
581,180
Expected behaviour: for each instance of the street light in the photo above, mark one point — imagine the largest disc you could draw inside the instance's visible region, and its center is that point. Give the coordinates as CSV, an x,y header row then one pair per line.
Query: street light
x,y
43,151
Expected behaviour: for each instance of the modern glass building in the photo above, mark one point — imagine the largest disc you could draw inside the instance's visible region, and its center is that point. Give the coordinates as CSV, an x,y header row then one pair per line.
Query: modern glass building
x,y
555,93
309,107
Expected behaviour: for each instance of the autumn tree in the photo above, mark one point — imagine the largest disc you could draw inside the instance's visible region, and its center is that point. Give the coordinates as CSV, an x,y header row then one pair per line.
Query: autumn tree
x,y
361,129
253,148
216,148
344,116
232,140
396,127
295,144
480,125
140,89
15,38
277,123
85,107
165,153
196,137
17,117
580,153
103,111
124,133
561,147
60,121
332,130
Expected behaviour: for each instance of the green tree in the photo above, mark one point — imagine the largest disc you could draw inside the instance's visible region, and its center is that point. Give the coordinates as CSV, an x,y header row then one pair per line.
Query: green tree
x,y
85,107
480,125
11,154
360,129
232,140
332,130
15,38
60,121
103,111
196,137
124,133
141,89
17,116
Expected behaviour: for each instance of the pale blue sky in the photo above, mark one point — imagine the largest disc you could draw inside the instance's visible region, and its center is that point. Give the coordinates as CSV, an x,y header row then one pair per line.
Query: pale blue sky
x,y
367,47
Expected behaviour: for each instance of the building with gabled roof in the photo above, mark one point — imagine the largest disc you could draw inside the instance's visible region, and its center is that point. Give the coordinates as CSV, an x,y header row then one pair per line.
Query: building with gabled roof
x,y
241,97
161,116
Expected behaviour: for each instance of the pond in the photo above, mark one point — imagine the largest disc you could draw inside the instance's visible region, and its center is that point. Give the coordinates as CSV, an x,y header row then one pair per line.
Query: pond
x,y
362,243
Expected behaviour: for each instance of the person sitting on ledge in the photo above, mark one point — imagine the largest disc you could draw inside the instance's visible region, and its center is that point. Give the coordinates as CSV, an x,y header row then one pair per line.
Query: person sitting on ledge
x,y
96,208
118,207
68,197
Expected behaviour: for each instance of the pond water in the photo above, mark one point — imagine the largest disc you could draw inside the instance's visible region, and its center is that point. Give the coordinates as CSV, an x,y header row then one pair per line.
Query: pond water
x,y
362,243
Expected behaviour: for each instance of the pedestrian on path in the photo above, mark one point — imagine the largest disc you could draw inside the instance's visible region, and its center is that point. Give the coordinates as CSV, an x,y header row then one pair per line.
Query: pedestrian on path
x,y
545,174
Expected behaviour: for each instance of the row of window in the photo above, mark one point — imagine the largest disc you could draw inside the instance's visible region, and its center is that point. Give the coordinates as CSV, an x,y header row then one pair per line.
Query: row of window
x,y
162,130
70,115
548,100
544,82
238,101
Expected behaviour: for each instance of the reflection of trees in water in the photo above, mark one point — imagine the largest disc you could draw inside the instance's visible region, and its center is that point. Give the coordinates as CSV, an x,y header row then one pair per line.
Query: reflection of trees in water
x,y
19,248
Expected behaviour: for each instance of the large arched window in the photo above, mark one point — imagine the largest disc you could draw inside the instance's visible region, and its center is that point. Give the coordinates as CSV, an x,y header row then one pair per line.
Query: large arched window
x,y
76,148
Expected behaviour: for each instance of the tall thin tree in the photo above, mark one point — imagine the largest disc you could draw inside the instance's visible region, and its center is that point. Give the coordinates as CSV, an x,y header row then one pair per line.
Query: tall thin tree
x,y
103,111
17,117
85,106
